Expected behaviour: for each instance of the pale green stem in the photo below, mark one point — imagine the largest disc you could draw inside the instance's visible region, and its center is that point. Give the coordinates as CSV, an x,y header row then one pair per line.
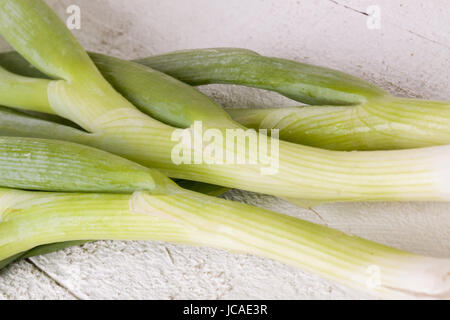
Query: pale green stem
x,y
379,124
191,218
23,92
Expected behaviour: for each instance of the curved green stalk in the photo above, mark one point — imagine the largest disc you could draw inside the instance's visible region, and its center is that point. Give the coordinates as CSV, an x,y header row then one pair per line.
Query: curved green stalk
x,y
195,219
302,82
86,98
161,96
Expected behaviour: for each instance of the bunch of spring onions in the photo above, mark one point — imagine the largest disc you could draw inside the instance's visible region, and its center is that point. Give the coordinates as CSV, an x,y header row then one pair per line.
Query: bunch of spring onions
x,y
131,111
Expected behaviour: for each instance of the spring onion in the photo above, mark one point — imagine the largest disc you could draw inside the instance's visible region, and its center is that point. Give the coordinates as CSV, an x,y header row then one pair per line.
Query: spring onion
x,y
161,210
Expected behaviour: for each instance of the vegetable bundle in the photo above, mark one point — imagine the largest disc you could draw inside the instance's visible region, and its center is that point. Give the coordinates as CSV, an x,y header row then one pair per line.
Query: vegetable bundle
x,y
160,210
132,112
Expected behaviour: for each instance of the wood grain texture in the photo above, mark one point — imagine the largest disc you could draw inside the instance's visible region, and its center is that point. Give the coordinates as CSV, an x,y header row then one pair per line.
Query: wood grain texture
x,y
408,56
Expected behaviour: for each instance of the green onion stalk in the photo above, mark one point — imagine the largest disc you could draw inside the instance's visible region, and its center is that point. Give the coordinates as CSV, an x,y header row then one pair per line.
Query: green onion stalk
x,y
17,123
77,91
344,112
89,194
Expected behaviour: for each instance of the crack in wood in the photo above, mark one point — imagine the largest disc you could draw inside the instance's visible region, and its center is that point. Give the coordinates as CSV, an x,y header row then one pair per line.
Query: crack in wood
x,y
349,8
393,24
170,255
59,284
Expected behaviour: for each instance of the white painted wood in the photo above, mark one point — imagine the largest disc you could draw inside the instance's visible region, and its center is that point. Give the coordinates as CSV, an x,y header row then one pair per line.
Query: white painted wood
x,y
24,281
409,56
